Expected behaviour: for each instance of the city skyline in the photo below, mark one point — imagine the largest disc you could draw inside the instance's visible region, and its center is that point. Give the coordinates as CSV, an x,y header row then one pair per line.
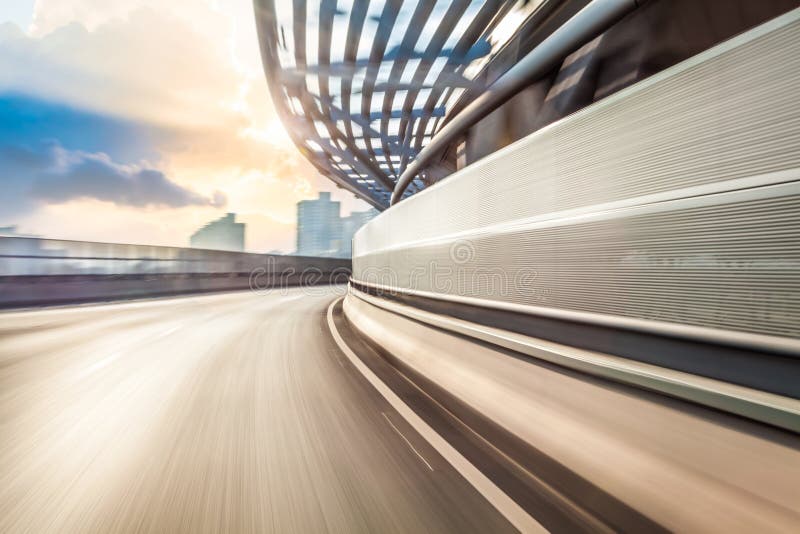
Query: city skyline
x,y
323,231
399,266
175,131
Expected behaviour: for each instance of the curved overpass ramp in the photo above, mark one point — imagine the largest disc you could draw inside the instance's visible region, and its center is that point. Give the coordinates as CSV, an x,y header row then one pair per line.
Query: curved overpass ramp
x,y
240,412
224,413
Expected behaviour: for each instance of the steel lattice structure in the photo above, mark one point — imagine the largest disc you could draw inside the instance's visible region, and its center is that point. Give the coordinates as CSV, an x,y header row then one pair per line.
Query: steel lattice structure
x,y
362,85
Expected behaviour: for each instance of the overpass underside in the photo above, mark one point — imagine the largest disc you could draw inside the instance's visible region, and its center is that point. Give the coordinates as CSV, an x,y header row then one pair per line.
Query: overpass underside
x,y
389,98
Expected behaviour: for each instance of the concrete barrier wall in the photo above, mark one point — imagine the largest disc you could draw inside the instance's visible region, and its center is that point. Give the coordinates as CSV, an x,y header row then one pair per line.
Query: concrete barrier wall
x,y
670,206
45,271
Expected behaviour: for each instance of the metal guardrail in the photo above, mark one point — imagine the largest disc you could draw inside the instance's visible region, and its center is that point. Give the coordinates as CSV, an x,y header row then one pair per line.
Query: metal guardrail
x,y
645,206
25,256
35,272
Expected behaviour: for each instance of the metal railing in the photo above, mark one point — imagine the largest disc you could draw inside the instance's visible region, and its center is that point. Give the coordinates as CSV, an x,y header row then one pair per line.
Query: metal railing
x,y
588,23
25,256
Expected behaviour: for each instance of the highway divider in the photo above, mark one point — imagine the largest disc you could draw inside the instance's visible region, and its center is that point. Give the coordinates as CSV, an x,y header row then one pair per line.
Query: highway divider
x,y
36,272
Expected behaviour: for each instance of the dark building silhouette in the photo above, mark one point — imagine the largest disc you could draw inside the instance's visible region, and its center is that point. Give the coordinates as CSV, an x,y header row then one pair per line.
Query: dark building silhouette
x,y
223,234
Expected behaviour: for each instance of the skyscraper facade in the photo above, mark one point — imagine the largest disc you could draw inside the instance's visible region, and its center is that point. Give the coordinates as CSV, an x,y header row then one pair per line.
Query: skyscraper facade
x,y
350,226
318,226
223,234
321,231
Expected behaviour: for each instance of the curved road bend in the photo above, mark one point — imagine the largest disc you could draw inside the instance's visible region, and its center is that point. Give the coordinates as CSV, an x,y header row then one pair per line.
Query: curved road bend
x,y
232,412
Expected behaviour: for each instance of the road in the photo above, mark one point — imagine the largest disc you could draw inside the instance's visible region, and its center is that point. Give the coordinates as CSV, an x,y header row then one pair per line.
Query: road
x,y
231,412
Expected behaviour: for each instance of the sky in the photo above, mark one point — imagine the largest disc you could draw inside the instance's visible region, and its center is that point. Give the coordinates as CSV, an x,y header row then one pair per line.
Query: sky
x,y
138,121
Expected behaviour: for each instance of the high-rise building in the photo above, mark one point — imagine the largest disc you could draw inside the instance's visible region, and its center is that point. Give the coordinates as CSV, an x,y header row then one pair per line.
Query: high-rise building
x,y
318,226
321,231
350,226
223,234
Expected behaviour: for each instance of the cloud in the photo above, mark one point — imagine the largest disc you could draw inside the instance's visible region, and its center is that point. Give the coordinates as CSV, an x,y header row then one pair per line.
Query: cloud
x,y
56,175
126,110
185,71
149,65
28,120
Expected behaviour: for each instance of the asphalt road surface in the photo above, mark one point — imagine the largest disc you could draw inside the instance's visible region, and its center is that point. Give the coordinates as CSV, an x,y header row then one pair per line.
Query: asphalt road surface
x,y
223,413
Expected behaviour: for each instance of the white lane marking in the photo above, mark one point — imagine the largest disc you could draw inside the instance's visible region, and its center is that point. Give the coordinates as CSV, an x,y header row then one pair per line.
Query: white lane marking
x,y
105,362
496,497
169,331
406,440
